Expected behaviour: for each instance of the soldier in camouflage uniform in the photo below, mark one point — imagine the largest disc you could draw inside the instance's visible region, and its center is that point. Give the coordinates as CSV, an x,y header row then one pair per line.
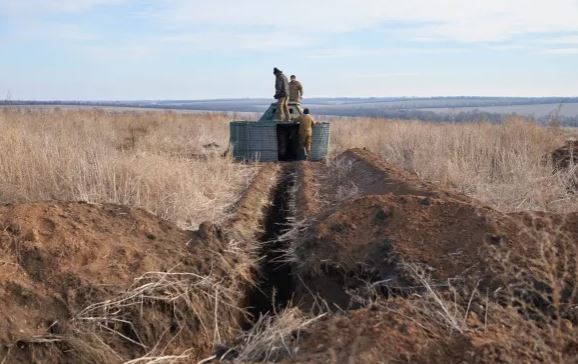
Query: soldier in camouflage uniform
x,y
295,90
282,95
306,123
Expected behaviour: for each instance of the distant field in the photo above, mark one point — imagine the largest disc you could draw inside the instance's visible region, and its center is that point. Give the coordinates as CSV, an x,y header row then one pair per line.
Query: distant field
x,y
432,108
537,111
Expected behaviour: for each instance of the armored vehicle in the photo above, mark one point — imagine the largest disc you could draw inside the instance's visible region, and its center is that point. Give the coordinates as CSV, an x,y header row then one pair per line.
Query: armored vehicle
x,y
270,140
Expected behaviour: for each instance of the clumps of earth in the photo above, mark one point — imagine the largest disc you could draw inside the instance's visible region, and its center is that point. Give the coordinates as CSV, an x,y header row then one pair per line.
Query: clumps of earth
x,y
379,267
566,156
88,283
415,273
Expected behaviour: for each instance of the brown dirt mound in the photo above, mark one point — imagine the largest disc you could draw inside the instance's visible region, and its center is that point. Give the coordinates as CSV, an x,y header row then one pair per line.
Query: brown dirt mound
x,y
543,270
372,238
519,270
393,220
58,259
556,226
374,176
565,156
400,331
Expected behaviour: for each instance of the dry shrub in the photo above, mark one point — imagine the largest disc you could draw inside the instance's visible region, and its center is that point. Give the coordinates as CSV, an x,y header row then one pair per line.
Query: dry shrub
x,y
163,317
540,277
466,324
500,164
272,338
86,348
201,305
166,162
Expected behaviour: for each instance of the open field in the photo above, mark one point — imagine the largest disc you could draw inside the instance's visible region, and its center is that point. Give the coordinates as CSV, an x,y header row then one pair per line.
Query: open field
x,y
436,108
168,163
537,111
131,237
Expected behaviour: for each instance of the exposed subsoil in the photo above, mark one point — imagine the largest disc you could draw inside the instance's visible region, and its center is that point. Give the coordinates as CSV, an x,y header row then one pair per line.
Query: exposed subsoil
x,y
390,221
565,159
57,259
565,156
397,331
369,228
364,233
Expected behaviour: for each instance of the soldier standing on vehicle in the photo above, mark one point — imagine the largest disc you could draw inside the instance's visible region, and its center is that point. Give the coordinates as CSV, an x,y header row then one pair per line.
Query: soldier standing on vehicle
x,y
306,123
281,94
295,90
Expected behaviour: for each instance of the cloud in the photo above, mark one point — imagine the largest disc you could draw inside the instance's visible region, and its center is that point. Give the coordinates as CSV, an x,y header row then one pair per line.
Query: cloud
x,y
119,52
315,26
239,41
379,52
385,75
457,20
52,30
34,7
564,39
342,53
561,51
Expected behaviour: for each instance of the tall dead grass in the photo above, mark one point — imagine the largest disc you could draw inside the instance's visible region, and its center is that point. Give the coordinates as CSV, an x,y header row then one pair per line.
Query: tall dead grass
x,y
163,161
500,164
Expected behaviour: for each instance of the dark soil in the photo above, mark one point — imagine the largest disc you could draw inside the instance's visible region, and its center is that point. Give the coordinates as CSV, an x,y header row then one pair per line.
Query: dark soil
x,y
397,331
58,258
367,229
565,156
275,288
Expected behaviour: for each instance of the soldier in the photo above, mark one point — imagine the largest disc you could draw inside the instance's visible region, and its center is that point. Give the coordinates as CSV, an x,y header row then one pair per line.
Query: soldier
x,y
295,90
281,94
306,123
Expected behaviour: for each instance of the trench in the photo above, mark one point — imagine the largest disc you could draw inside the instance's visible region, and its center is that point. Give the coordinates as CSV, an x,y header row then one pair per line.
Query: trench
x,y
275,288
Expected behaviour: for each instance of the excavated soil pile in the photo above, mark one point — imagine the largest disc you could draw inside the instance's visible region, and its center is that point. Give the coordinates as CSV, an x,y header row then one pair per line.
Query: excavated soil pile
x,y
83,283
565,156
502,287
372,175
392,230
545,267
391,227
402,331
383,238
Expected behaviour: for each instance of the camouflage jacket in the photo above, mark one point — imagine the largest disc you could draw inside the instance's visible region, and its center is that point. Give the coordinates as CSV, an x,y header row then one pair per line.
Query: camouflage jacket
x,y
295,91
281,86
306,123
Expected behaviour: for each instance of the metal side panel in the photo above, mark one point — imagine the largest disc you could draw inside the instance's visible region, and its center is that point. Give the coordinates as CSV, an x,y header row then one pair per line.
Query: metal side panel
x,y
262,142
238,138
320,141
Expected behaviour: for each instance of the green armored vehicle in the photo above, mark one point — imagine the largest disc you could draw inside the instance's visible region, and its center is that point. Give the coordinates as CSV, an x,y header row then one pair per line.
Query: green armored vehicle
x,y
270,140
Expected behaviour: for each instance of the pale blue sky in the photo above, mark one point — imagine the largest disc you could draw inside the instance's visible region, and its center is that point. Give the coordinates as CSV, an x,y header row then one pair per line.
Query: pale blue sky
x,y
177,49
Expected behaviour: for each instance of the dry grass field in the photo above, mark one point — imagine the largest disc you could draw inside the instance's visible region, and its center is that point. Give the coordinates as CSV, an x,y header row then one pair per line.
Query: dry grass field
x,y
502,165
170,163
133,288
165,162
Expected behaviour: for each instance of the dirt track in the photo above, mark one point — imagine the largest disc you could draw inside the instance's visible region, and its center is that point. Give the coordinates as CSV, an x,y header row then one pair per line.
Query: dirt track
x,y
355,236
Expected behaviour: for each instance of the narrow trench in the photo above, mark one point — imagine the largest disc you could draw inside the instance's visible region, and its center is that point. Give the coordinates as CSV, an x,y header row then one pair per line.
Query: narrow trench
x,y
275,288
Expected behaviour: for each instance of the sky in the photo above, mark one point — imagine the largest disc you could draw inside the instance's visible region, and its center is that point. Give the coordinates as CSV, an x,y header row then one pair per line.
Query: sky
x,y
193,49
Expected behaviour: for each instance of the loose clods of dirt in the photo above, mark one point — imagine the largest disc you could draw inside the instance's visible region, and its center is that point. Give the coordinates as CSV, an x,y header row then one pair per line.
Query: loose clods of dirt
x,y
374,239
84,283
412,330
566,156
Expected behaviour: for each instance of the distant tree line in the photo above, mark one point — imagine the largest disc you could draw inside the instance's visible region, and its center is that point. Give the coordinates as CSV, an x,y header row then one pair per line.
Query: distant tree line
x,y
458,117
344,110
